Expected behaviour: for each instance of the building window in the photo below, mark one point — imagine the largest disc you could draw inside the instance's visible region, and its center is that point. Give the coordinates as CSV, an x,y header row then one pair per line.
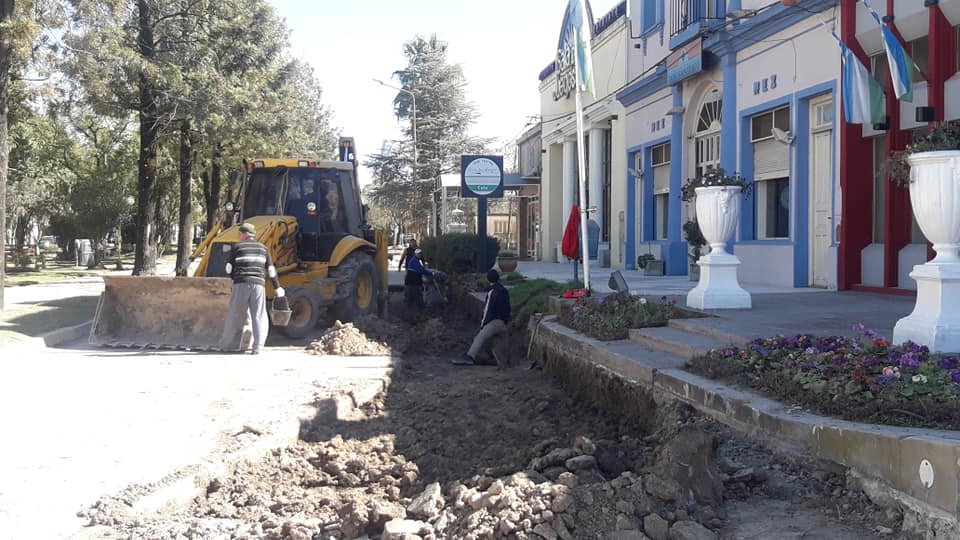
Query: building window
x,y
879,189
708,133
761,125
652,11
774,211
660,160
880,68
662,214
920,52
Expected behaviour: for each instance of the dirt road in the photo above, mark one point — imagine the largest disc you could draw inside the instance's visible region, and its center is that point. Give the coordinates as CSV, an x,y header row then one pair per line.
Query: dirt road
x,y
454,452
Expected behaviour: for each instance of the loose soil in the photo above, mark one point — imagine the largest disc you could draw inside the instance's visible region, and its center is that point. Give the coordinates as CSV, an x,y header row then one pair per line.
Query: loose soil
x,y
478,452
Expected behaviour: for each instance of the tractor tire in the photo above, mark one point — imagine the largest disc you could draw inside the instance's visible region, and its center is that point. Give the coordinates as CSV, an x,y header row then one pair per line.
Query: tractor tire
x,y
358,288
306,312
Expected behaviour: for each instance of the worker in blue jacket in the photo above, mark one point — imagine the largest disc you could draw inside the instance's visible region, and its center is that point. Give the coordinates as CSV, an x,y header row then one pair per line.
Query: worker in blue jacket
x,y
413,281
493,325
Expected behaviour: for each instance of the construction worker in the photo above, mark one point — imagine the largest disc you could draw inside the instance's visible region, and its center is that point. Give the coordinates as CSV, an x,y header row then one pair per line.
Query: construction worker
x,y
249,263
413,281
493,325
407,253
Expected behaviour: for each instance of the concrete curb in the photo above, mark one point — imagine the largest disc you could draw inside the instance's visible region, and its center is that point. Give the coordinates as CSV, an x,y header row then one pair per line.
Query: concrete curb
x,y
920,467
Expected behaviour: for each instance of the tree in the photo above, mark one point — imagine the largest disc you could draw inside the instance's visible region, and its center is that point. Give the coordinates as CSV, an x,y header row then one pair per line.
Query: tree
x,y
444,117
19,24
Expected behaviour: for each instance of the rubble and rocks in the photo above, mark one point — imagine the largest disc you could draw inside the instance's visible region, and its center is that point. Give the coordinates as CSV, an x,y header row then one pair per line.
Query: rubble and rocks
x,y
449,452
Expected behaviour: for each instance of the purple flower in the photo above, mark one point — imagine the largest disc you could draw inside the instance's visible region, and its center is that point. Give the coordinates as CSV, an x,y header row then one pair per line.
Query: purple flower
x,y
759,349
870,334
868,361
947,363
885,379
910,360
955,376
811,350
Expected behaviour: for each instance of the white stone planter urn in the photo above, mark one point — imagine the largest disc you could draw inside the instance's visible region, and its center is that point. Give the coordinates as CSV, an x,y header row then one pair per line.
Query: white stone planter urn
x,y
935,197
718,213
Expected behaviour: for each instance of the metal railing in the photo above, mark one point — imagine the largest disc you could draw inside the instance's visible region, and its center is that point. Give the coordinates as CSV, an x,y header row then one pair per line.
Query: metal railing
x,y
684,13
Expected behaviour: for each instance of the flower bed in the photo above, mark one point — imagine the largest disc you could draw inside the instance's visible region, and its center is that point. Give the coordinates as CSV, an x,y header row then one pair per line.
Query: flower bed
x,y
611,317
862,378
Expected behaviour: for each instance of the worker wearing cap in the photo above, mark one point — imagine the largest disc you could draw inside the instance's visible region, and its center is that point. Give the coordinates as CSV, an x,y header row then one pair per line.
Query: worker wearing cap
x,y
413,281
249,264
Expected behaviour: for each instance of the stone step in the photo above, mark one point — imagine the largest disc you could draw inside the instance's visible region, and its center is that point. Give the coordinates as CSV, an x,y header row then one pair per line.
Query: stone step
x,y
711,327
674,341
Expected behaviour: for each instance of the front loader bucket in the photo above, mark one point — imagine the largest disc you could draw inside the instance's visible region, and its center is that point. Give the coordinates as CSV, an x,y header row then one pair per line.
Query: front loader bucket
x,y
162,312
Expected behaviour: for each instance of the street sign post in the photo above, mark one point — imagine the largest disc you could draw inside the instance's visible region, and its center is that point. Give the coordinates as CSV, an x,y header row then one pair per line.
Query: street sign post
x,y
481,177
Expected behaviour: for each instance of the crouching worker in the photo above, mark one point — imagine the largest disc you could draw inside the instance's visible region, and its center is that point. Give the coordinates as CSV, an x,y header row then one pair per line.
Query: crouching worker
x,y
493,326
249,264
413,281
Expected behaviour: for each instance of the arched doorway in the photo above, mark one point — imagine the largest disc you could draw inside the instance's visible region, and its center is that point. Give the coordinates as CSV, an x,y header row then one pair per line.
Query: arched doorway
x,y
707,136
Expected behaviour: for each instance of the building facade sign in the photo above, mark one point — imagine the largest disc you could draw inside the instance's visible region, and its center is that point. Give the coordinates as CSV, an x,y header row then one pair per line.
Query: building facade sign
x,y
685,62
566,64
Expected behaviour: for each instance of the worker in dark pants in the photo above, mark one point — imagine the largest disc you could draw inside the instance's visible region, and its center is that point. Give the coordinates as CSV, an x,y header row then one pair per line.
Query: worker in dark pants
x,y
249,264
413,281
493,325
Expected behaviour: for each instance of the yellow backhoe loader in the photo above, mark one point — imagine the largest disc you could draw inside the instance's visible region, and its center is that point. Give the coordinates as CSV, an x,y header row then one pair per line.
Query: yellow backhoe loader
x,y
330,261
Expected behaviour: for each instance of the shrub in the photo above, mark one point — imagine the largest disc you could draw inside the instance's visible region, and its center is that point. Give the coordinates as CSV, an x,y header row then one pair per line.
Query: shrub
x,y
531,297
611,317
512,277
456,253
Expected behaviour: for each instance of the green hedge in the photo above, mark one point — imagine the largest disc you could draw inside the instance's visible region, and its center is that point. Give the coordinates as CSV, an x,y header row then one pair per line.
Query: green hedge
x,y
456,253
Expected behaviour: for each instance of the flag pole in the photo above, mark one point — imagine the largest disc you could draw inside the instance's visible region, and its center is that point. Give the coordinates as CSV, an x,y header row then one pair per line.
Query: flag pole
x,y
581,164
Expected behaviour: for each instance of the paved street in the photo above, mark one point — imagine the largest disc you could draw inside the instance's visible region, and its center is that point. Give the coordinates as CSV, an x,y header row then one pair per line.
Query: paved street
x,y
81,423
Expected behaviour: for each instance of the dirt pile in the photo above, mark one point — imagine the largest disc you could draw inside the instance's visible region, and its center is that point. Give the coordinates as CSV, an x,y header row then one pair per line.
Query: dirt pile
x,y
367,336
443,455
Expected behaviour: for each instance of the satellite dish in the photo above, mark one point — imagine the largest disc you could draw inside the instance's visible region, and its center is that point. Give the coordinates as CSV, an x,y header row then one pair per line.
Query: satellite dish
x,y
782,136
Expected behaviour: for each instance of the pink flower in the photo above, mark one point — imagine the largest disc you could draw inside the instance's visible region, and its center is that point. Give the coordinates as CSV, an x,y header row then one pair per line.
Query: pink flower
x,y
892,370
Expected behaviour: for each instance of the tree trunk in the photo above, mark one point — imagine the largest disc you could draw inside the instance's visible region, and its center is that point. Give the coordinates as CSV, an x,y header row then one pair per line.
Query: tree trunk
x,y
6,13
186,172
213,185
144,259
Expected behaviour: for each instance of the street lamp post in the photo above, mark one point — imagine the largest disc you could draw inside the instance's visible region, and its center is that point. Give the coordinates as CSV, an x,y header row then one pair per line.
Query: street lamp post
x,y
413,117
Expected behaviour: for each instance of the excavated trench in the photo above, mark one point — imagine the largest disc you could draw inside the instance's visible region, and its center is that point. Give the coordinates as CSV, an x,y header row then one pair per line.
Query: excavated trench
x,y
481,452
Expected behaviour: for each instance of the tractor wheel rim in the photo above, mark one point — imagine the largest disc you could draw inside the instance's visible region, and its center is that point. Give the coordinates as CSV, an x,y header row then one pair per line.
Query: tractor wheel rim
x,y
300,312
364,290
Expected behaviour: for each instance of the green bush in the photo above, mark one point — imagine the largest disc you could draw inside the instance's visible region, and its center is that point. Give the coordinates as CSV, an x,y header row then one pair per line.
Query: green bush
x,y
612,316
456,253
531,297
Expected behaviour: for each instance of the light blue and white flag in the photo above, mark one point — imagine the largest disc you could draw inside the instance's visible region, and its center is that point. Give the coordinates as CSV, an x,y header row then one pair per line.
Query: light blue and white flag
x,y
579,27
903,70
863,98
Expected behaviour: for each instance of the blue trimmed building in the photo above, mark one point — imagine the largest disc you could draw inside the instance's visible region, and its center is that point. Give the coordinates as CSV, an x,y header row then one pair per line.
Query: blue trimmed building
x,y
750,86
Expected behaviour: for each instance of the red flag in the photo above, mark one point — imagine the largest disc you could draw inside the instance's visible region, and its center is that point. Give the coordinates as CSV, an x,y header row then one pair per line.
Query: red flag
x,y
571,242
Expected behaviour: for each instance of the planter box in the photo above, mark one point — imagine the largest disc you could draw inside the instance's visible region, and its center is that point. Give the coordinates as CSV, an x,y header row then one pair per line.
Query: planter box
x,y
654,268
507,265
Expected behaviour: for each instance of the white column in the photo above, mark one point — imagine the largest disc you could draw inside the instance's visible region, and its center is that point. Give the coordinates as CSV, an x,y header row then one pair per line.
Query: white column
x,y
596,174
569,179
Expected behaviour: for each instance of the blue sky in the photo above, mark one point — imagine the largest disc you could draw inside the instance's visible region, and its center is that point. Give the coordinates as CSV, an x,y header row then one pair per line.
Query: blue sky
x,y
501,44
